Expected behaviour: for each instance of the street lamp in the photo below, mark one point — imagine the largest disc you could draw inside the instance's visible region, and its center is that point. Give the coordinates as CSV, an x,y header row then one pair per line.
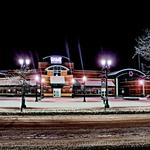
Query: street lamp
x,y
142,83
42,86
73,82
24,64
41,81
84,78
106,63
37,78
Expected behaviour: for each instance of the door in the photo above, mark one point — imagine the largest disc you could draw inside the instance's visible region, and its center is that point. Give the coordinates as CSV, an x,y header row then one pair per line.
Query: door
x,y
57,92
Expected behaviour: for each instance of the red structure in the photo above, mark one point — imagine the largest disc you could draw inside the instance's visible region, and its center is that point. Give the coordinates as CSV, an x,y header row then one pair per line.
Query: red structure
x,y
59,75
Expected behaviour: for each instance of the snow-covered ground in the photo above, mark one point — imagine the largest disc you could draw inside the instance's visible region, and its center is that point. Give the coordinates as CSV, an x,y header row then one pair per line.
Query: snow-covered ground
x,y
72,103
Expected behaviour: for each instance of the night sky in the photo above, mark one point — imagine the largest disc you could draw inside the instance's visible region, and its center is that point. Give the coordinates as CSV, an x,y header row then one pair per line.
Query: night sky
x,y
38,31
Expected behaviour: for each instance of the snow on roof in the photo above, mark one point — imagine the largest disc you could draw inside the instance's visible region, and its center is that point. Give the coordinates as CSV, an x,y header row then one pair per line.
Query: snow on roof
x,y
94,82
57,80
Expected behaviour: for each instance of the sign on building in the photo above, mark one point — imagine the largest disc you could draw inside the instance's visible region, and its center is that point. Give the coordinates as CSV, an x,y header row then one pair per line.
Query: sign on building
x,y
56,59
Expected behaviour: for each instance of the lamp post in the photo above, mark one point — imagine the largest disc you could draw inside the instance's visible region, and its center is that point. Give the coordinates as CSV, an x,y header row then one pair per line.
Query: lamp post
x,y
84,78
106,63
41,87
41,81
142,83
73,82
24,64
36,87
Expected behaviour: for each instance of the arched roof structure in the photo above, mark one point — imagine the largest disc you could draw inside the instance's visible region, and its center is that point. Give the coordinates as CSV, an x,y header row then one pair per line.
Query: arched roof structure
x,y
126,71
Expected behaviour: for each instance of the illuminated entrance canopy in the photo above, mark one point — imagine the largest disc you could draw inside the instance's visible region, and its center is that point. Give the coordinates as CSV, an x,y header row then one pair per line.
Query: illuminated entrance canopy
x,y
56,60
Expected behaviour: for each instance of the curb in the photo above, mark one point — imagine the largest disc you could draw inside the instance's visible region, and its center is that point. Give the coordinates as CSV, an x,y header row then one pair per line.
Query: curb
x,y
73,113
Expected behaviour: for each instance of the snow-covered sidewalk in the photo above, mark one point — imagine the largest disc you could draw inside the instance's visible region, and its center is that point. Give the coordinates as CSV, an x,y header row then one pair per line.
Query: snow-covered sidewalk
x,y
92,104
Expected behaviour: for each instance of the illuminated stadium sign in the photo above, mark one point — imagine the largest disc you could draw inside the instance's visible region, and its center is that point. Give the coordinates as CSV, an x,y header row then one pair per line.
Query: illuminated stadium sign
x,y
56,59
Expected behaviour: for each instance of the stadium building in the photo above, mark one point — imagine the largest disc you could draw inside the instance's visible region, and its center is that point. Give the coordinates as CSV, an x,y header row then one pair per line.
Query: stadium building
x,y
56,74
59,78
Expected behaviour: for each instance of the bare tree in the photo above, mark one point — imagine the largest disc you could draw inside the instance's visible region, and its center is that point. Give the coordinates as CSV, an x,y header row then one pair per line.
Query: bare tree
x,y
142,49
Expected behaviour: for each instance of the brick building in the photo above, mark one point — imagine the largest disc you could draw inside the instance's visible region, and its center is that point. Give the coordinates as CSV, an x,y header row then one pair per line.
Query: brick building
x,y
58,72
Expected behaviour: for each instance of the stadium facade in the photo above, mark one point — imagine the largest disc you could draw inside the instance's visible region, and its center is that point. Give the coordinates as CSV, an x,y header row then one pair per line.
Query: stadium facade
x,y
57,73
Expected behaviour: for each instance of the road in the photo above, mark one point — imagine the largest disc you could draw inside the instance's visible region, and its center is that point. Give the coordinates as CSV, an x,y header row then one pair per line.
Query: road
x,y
75,131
